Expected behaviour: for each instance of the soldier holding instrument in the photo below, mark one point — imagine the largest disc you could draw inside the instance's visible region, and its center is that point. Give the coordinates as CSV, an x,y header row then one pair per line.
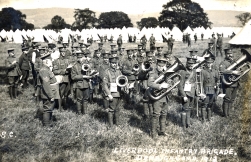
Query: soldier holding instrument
x,y
24,66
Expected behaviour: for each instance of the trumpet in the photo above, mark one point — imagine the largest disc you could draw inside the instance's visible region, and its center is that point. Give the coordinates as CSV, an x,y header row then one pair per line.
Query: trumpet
x,y
146,66
136,67
121,81
239,63
86,67
155,94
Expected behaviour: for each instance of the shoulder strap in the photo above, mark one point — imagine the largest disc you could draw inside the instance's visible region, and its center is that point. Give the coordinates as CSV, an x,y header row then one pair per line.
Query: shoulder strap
x,y
190,76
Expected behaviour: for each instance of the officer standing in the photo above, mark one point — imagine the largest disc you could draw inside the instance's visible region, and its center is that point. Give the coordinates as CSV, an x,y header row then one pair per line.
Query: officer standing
x,y
119,42
112,91
195,38
152,42
97,63
170,43
160,106
188,40
187,90
13,72
219,44
24,66
143,41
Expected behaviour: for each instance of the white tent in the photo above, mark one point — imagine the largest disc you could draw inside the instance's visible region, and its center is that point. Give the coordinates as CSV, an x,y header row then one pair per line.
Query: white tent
x,y
243,37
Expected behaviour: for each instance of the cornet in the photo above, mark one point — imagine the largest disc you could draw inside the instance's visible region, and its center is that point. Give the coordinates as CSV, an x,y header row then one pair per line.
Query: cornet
x,y
85,67
146,66
121,81
136,67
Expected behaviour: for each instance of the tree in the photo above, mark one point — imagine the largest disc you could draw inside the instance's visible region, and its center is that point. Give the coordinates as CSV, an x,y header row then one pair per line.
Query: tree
x,y
84,19
57,23
183,13
114,19
11,19
243,18
148,22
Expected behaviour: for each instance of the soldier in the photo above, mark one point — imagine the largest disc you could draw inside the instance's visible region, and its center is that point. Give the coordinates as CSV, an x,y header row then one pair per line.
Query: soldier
x,y
209,52
24,66
202,35
158,53
119,42
47,79
134,38
209,79
111,39
113,46
81,83
195,38
13,72
143,41
61,71
100,48
170,43
188,40
97,63
187,90
152,42
112,91
159,106
67,51
219,45
229,90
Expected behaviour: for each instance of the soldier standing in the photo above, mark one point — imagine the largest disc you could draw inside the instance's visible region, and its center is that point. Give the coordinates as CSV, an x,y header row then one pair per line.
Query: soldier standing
x,y
152,43
112,91
188,40
134,38
229,90
219,43
24,66
195,38
97,63
202,35
143,41
119,42
13,72
160,106
170,43
187,90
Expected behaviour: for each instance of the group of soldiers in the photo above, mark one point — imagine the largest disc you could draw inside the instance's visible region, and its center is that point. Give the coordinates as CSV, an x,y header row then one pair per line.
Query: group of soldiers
x,y
133,75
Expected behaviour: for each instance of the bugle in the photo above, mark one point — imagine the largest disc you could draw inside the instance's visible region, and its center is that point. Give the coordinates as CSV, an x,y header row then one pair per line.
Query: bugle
x,y
121,81
85,67
146,66
136,67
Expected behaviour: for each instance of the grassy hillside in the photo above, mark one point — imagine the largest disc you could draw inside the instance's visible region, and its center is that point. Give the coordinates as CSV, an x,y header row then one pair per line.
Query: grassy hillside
x,y
86,138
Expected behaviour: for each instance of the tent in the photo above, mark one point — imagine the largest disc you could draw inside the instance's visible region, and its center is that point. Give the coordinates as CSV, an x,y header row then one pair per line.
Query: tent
x,y
243,37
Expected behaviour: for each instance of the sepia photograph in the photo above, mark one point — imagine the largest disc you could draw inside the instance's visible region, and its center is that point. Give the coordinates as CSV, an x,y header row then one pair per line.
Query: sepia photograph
x,y
125,81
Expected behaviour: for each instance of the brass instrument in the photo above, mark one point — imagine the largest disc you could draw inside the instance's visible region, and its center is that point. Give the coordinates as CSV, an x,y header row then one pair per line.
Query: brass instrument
x,y
146,66
86,67
136,67
238,64
121,81
169,74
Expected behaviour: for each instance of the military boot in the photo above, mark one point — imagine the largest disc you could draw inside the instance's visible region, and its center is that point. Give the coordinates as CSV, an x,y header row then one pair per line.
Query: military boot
x,y
154,127
188,114
183,120
225,109
150,109
11,92
209,113
64,105
14,88
110,118
162,122
84,107
91,98
60,105
79,108
46,118
230,107
117,120
146,111
203,114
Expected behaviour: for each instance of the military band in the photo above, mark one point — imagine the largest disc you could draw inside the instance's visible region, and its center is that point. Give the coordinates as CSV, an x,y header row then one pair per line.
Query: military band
x,y
140,75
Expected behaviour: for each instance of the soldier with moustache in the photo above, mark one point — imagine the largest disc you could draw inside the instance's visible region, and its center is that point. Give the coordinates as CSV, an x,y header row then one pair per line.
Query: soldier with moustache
x,y
210,80
129,71
160,106
81,83
61,72
112,91
230,91
24,66
187,90
11,63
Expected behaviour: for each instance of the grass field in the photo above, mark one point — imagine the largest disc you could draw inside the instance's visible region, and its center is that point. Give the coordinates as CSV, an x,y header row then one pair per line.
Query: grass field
x,y
87,138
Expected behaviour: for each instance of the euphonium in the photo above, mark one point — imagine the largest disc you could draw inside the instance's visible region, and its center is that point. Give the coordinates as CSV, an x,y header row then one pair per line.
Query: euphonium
x,y
169,74
146,65
85,67
121,81
240,63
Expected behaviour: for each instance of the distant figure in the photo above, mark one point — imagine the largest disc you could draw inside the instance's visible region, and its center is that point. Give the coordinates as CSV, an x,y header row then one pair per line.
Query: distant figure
x,y
233,34
219,44
195,38
213,35
170,42
143,41
130,39
119,42
152,43
184,38
105,38
111,39
134,38
202,35
188,40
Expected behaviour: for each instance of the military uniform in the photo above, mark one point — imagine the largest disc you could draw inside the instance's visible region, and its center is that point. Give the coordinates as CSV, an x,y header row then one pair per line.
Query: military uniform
x,y
143,41
229,90
219,43
170,43
110,88
119,42
97,63
152,43
24,66
210,50
209,79
187,88
13,73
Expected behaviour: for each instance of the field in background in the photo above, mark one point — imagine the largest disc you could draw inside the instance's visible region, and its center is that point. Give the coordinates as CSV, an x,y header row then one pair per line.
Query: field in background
x,y
87,137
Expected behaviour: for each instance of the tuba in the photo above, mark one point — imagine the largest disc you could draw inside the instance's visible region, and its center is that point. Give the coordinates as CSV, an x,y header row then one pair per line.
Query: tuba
x,y
85,67
169,74
121,81
146,66
238,64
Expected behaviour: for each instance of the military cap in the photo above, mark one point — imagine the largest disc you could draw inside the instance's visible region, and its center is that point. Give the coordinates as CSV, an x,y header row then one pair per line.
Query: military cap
x,y
87,52
114,51
113,45
140,46
62,49
211,42
159,48
60,46
79,53
81,42
65,42
129,51
36,44
87,45
41,48
100,44
191,60
75,45
228,51
25,48
106,55
161,59
149,54
10,49
209,59
113,59
97,51
122,48
193,50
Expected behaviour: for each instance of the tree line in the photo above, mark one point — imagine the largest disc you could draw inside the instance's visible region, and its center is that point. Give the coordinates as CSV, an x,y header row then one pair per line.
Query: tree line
x,y
180,13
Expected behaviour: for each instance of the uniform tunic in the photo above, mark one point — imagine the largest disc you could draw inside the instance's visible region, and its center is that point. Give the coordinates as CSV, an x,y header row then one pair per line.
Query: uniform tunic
x,y
128,68
13,72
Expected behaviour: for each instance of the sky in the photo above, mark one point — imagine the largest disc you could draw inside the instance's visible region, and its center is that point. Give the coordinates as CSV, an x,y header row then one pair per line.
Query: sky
x,y
127,6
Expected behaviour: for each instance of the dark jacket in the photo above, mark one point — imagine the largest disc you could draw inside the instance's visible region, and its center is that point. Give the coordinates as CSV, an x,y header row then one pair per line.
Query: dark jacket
x,y
24,62
12,68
